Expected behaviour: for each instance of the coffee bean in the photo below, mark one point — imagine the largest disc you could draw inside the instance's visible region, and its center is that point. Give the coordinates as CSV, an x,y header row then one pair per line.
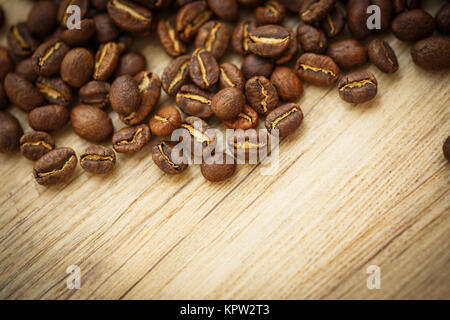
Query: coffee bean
x,y
106,61
78,37
62,14
431,53
383,56
168,37
254,65
203,69
130,140
42,18
91,123
231,77
35,144
413,25
272,12
291,50
77,67
214,37
105,29
357,17
190,18
48,57
197,136
163,158
249,145
131,63
286,119
56,166
218,167
261,94
155,4
6,63
348,53
446,148
268,41
292,5
175,75
22,93
250,3
99,5
228,103
98,159
311,39
25,69
194,101
443,19
165,121
95,93
313,11
10,132
288,84
225,9
124,96
333,23
3,98
20,40
48,118
55,90
246,119
358,87
129,16
240,38
405,5
317,69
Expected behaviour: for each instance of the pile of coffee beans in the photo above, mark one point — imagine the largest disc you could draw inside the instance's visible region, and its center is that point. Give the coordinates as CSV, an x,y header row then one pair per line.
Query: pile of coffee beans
x,y
57,73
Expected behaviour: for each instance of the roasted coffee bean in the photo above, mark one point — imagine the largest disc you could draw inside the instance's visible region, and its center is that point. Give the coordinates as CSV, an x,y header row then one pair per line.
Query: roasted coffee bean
x,y
348,53
78,37
385,14
311,39
231,76
91,123
124,95
3,98
203,69
165,121
42,17
56,166
55,90
240,38
10,132
333,23
248,118
106,61
268,41
317,69
443,19
228,103
22,93
218,167
168,37
190,18
358,87
35,144
99,5
129,16
98,159
286,119
163,156
357,17
225,9
130,140
446,148
288,84
291,50
48,57
125,42
155,4
261,94
413,25
292,5
105,29
249,146
175,75
313,11
95,93
213,36
254,65
431,53
6,64
20,40
382,56
63,13
25,69
405,5
272,12
48,118
131,63
198,136
194,101
77,67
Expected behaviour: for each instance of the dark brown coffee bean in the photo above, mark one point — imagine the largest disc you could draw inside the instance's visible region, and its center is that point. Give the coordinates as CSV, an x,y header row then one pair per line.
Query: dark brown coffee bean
x,y
175,75
20,40
91,123
25,69
3,98
269,41
240,38
382,56
168,37
213,36
194,101
348,53
99,5
313,11
311,39
48,57
446,148
291,50
131,63
48,118
124,96
249,145
413,25
129,16
218,167
78,37
231,77
198,136
22,93
225,9
95,93
333,23
63,13
190,18
77,67
10,132
357,18
42,18
288,84
6,64
130,140
125,42
165,121
261,94
106,61
203,69
286,119
163,158
35,144
255,65
98,159
228,103
431,53
272,12
405,5
105,29
248,118
56,166
292,5
443,19
358,87
55,90
317,69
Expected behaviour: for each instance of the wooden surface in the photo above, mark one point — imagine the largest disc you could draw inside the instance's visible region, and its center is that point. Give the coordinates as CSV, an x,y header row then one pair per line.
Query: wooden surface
x,y
357,186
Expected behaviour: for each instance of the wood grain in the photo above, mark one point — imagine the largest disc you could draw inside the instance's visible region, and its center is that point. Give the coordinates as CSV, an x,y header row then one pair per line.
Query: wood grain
x,y
356,186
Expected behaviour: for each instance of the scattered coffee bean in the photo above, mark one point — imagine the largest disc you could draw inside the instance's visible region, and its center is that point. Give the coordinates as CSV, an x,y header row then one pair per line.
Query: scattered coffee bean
x,y
405,5
77,67
168,37
385,14
130,140
95,93
78,37
272,12
248,118
25,69
91,123
48,57
198,136
10,132
194,101
268,41
55,90
203,69
228,103
22,93
6,63
20,40
431,53
48,118
98,159
35,144
214,37
348,53
249,146
218,167
62,14
190,18
333,23
261,94
124,96
443,18
231,77
357,18
240,38
165,121
175,75
225,9
131,63
317,69
413,25
358,87
311,39
313,11
163,156
383,56
56,166
105,29
291,50
254,65
286,119
106,61
446,148
129,16
288,84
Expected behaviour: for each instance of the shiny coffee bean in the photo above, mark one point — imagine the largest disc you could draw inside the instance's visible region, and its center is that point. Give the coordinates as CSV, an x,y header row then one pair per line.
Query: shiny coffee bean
x,y
165,121
168,37
95,93
22,93
203,69
225,9
272,12
231,77
98,159
446,149
249,146
383,56
129,16
198,136
218,167
333,23
291,50
20,41
254,65
91,123
55,167
443,19
413,25
25,69
194,101
124,95
47,58
55,90
163,156
288,84
6,63
311,39
385,15
78,37
190,18
10,132
261,94
214,37
246,119
358,87
268,41
240,37
431,53
348,53
62,14
105,29
77,67
175,75
106,60
228,103
317,69
286,119
42,18
48,118
130,140
313,11
131,63
35,144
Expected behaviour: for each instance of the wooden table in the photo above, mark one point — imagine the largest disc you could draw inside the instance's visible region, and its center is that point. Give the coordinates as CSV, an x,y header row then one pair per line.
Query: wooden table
x,y
356,186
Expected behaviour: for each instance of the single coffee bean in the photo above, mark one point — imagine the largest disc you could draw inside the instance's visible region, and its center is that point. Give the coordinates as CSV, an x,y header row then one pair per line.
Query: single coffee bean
x,y
165,121
405,5
56,166
125,42
98,159
168,37
163,155
383,56
203,69
35,144
446,148
313,11
249,146
272,12
231,77
311,39
214,37
225,9
194,101
6,63
175,75
20,40
77,67
25,69
317,69
348,53
254,65
246,119
63,13
198,136
431,53
129,16
292,5
124,96
91,123
3,98
22,93
413,25
333,23
228,103
10,132
190,18
286,119
131,63
55,90
261,94
48,118
443,19
105,29
78,37
48,57
288,84
95,93
130,140
99,5
291,50
240,38
42,18
218,167
268,41
358,87
106,61
357,18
